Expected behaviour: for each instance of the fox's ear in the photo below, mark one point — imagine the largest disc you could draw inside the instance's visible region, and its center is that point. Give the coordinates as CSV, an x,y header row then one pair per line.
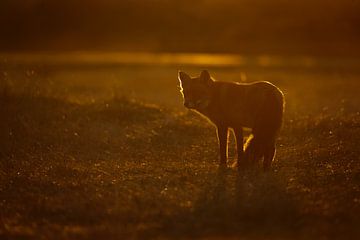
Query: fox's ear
x,y
205,76
183,77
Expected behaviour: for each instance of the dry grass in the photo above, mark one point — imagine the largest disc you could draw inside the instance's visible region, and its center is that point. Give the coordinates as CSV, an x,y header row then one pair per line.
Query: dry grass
x,y
120,168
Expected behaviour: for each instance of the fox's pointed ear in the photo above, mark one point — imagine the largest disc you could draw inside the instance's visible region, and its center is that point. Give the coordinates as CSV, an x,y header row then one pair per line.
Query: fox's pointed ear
x,y
205,76
183,77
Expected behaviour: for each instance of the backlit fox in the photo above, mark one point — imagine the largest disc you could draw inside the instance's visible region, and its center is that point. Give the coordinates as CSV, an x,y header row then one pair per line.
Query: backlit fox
x,y
258,106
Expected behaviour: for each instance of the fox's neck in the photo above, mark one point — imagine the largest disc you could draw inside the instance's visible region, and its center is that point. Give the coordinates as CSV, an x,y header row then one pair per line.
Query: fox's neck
x,y
209,111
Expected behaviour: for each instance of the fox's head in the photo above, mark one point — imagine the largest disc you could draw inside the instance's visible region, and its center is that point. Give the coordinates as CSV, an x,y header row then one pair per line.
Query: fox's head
x,y
196,91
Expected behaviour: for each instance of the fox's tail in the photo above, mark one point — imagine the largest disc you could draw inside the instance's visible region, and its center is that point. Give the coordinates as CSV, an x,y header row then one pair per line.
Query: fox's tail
x,y
267,125
270,117
261,143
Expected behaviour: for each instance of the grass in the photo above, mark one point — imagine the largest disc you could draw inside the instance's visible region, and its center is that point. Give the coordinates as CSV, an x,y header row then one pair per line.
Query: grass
x,y
78,165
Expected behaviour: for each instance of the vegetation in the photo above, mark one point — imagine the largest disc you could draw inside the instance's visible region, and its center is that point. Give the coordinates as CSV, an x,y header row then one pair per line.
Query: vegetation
x,y
81,159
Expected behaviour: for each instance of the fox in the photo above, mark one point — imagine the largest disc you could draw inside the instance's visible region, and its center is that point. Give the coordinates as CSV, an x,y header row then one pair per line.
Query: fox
x,y
258,106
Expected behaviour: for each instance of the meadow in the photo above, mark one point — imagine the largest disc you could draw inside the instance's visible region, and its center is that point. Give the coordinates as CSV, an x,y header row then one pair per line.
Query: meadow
x,y
107,151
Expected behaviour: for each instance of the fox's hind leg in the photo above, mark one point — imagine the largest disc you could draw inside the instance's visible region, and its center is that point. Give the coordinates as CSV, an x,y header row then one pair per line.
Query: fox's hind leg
x,y
269,154
239,146
253,150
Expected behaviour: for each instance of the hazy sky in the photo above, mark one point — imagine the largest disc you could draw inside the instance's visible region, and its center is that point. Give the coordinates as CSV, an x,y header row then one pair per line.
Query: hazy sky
x,y
307,26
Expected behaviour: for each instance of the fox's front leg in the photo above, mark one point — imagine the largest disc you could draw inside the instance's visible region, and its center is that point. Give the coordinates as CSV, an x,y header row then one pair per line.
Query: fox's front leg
x,y
222,133
239,145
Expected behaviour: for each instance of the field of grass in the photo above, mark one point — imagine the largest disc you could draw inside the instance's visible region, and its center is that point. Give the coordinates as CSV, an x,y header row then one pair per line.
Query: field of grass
x,y
108,152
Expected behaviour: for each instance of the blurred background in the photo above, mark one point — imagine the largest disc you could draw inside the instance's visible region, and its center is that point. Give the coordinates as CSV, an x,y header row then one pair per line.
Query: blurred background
x,y
88,50
305,27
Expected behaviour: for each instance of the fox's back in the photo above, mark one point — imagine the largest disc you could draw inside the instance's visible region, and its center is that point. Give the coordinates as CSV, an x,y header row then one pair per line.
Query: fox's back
x,y
245,103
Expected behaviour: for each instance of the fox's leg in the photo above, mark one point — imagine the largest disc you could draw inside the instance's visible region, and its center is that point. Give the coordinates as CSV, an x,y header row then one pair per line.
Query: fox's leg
x,y
253,150
269,155
248,149
239,145
222,133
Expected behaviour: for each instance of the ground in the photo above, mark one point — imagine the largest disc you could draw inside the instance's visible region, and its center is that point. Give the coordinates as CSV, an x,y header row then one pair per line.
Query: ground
x,y
108,152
